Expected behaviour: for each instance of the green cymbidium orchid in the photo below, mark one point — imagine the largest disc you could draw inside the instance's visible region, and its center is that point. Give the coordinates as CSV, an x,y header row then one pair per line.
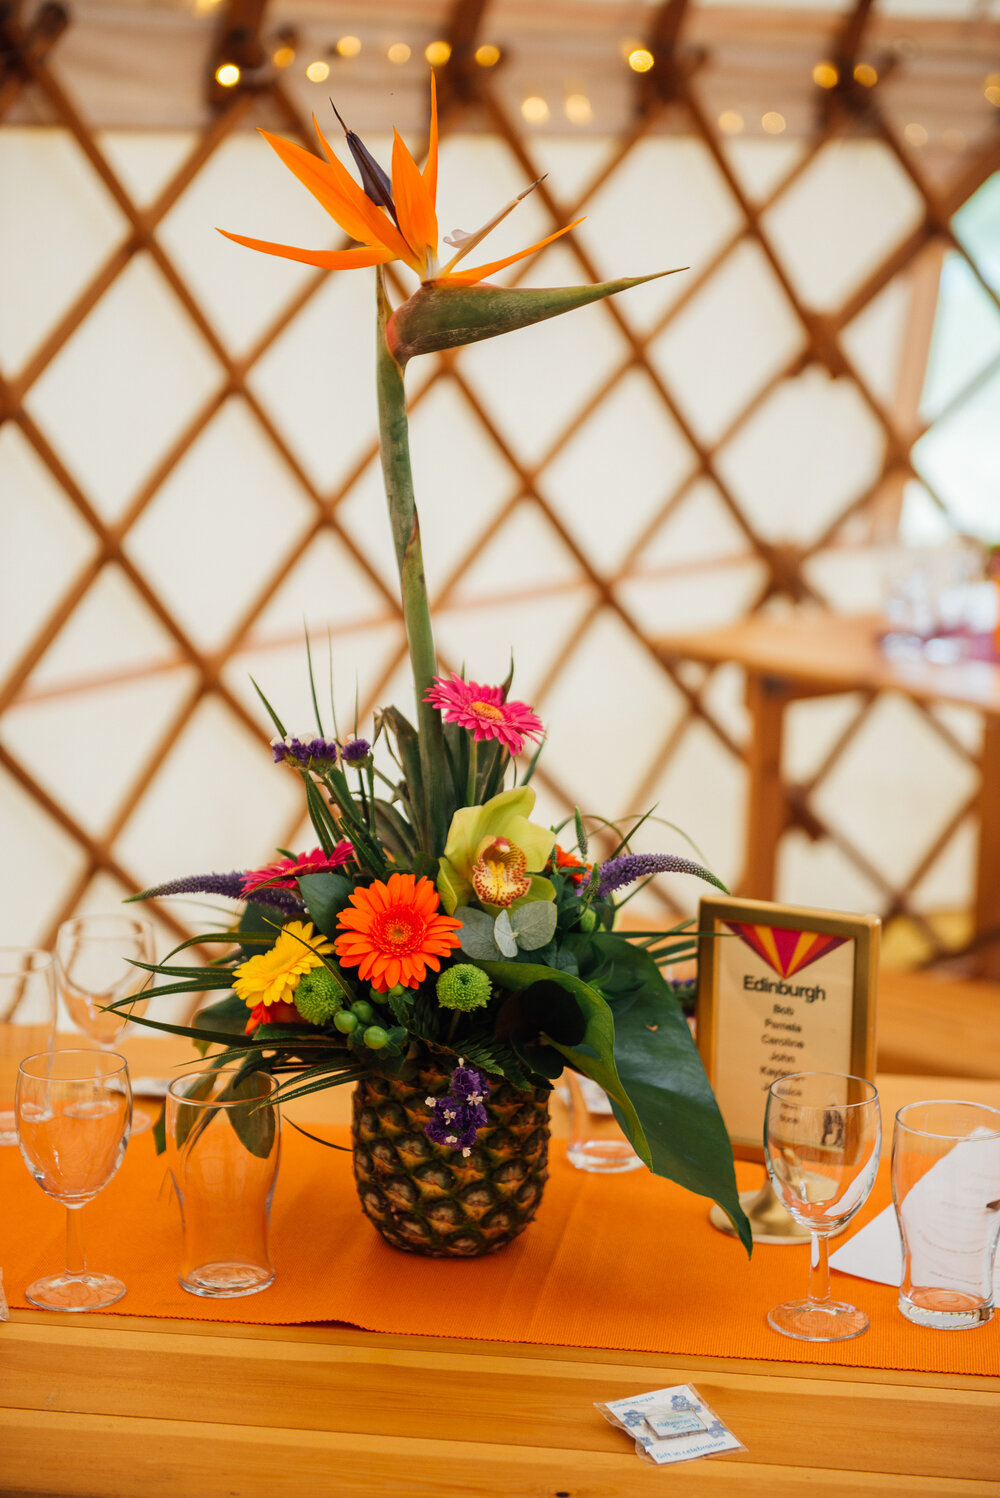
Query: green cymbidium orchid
x,y
493,850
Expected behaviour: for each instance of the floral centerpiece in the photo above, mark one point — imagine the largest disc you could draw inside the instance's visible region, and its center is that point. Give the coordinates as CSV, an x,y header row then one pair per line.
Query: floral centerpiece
x,y
439,948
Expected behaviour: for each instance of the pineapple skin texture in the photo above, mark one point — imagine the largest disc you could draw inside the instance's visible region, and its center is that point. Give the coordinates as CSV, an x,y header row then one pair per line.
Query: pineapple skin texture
x,y
425,1198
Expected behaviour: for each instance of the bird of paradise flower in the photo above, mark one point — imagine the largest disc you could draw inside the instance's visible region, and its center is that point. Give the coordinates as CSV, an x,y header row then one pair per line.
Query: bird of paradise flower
x,y
392,219
395,219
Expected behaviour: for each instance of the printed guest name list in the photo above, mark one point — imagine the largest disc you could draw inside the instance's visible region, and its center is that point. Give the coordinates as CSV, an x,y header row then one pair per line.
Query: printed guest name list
x,y
771,1022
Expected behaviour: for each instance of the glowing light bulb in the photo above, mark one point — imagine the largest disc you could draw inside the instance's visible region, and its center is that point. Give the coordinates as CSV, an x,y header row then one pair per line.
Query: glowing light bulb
x,y
578,109
283,57
915,134
318,71
825,75
487,56
729,122
535,110
228,74
640,60
399,52
437,53
349,46
991,93
866,75
773,122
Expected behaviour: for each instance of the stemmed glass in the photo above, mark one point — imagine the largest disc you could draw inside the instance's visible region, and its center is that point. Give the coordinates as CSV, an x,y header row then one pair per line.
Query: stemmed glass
x,y
822,1135
73,1114
27,1020
94,957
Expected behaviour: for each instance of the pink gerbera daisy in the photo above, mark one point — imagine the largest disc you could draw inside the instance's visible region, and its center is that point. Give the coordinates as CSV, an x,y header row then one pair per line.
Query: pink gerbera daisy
x,y
283,873
483,711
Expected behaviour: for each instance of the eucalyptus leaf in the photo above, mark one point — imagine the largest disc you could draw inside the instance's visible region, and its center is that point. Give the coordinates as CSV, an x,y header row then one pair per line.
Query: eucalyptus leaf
x,y
533,925
476,936
503,934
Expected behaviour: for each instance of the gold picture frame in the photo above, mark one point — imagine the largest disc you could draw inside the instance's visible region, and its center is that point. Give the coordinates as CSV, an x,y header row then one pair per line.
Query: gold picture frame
x,y
742,1060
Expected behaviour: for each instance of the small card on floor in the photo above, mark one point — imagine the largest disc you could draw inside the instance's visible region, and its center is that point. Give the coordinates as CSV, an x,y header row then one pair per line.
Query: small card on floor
x,y
671,1425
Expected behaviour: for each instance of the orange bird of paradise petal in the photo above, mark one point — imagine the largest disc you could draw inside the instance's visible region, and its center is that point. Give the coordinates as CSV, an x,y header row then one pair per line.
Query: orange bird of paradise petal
x,y
399,223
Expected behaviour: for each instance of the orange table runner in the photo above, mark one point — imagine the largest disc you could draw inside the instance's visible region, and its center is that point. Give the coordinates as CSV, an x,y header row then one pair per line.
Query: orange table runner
x,y
621,1262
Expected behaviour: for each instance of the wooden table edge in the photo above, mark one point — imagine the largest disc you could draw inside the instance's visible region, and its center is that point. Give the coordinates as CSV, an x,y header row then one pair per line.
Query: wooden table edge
x,y
342,1334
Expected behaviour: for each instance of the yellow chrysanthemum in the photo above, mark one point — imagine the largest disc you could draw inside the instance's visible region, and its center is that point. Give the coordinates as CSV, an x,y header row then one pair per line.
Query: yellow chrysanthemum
x,y
270,978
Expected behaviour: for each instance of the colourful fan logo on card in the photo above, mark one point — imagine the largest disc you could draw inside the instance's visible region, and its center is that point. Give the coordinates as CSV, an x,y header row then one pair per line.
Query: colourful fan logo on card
x,y
786,952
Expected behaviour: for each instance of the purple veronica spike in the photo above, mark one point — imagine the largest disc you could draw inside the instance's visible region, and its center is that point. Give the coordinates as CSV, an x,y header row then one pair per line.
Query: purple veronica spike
x,y
618,872
315,753
230,885
457,1118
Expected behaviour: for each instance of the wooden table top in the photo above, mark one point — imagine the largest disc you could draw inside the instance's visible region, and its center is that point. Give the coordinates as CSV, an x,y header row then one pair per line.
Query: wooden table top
x,y
117,1406
817,650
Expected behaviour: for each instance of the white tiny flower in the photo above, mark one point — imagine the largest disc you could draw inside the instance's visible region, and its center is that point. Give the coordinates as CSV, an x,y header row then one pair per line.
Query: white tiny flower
x,y
466,1152
451,1139
430,1101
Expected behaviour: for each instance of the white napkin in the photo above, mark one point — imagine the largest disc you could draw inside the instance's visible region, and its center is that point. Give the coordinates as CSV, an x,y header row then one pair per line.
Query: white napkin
x,y
945,1213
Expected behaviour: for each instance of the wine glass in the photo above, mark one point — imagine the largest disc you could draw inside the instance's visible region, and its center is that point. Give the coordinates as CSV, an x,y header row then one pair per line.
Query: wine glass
x,y
94,957
27,1020
73,1112
822,1135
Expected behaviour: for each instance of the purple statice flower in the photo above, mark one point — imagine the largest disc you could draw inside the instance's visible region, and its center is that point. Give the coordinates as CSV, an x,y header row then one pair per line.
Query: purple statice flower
x,y
312,754
618,872
457,1117
356,752
469,1084
229,885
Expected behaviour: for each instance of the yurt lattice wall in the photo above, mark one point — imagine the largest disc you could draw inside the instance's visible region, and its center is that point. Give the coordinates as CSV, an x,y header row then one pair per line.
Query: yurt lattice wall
x,y
187,452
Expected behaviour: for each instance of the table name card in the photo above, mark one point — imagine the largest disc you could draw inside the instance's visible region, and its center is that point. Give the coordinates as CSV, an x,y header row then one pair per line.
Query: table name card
x,y
781,990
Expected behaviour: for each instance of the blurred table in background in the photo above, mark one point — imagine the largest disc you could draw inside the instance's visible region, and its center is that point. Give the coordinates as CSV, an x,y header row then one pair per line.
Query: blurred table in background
x,y
816,654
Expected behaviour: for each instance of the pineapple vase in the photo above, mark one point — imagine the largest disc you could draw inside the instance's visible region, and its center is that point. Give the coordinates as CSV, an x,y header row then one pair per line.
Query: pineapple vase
x,y
425,1198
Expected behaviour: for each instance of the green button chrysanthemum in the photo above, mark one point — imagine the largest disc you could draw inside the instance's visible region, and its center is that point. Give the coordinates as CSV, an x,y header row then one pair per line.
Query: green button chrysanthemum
x,y
463,987
317,996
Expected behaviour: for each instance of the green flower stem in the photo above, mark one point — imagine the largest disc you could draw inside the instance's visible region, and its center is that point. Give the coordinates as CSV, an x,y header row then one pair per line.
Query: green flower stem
x,y
394,446
470,788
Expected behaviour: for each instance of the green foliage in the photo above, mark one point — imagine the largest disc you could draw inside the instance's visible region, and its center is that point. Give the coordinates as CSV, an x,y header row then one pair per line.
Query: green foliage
x,y
660,1069
326,895
442,316
637,1046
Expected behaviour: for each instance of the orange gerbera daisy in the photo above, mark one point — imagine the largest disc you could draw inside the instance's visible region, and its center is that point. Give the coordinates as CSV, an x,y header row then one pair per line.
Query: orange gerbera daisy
x,y
391,219
393,932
